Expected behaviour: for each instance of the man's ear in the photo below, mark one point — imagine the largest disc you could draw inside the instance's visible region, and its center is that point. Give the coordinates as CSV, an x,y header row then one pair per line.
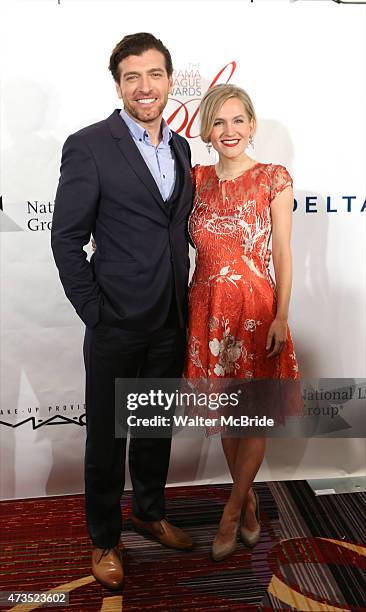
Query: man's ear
x,y
170,84
118,89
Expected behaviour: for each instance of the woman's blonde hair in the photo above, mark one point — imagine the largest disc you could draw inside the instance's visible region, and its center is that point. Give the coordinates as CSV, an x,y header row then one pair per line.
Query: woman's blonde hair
x,y
213,100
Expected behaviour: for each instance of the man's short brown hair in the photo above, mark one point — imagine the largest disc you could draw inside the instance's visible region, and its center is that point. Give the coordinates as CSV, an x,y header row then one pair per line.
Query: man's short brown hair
x,y
137,44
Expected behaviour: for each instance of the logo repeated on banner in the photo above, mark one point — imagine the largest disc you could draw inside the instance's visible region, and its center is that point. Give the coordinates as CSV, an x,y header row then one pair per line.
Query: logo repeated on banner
x,y
331,204
39,216
6,223
187,95
58,414
184,103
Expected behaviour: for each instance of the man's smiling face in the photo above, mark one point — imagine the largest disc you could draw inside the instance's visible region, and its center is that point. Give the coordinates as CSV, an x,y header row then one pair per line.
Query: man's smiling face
x,y
144,85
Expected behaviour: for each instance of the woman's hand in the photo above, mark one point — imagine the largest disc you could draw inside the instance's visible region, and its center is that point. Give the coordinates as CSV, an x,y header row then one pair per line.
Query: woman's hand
x,y
277,337
267,257
94,244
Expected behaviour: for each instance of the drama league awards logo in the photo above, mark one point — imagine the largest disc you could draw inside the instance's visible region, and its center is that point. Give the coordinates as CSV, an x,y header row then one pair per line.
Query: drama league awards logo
x,y
187,94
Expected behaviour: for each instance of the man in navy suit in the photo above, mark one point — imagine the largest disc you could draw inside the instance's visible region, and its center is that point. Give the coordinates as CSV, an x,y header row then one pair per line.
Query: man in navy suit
x,y
126,181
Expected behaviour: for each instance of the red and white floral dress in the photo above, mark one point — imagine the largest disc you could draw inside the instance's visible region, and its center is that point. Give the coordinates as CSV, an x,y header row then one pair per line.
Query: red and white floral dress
x,y
232,296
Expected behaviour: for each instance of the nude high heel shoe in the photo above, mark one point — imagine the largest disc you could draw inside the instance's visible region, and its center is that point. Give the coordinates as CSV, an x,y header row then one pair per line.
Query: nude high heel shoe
x,y
219,551
251,538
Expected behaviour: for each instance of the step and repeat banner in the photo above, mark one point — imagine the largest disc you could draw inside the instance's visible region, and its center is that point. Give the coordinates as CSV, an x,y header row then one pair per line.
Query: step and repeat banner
x,y
304,65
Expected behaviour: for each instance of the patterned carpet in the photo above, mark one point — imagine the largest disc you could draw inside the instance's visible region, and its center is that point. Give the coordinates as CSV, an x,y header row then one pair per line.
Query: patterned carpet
x,y
311,556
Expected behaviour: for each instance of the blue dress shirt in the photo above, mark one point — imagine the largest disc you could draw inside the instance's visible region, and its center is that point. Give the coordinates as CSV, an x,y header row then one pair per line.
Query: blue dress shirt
x,y
159,159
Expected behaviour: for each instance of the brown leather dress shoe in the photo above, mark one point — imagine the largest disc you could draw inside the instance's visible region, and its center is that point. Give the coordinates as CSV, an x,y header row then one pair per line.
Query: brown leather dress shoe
x,y
163,531
107,567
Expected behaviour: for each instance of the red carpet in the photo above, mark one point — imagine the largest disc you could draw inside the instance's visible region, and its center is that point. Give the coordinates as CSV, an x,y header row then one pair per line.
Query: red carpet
x,y
318,564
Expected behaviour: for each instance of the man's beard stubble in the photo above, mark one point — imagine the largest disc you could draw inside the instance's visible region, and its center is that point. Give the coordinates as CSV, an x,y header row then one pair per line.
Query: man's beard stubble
x,y
140,115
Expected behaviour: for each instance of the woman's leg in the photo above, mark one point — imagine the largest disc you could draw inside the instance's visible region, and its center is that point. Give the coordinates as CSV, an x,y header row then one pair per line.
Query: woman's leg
x,y
230,446
244,457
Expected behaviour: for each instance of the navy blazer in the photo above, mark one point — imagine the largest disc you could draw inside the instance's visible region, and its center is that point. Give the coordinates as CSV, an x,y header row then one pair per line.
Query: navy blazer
x,y
107,190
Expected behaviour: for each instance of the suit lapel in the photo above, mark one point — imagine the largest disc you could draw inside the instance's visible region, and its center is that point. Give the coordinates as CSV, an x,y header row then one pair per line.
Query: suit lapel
x,y
185,168
133,156
181,156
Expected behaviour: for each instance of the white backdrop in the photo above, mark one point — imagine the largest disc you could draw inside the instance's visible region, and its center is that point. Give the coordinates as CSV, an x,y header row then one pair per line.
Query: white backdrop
x,y
304,65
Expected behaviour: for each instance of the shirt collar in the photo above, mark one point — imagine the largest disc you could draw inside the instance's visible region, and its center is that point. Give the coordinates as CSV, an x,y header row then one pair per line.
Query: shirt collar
x,y
139,133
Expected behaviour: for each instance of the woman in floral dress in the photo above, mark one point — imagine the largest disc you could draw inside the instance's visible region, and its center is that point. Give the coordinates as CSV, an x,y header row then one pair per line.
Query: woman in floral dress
x,y
237,315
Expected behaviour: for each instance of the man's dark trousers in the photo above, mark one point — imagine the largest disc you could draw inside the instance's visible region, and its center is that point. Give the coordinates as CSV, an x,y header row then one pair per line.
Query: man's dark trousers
x,y
116,353
132,297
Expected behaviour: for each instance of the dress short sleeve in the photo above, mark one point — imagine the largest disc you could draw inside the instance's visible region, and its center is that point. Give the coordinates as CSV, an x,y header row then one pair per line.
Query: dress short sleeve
x,y
280,180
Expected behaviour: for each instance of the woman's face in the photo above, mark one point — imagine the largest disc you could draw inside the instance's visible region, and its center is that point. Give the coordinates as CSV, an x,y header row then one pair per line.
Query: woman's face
x,y
231,130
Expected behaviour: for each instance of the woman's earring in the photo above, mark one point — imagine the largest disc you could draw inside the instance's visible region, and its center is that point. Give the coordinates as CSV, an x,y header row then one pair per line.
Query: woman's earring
x,y
209,147
251,141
